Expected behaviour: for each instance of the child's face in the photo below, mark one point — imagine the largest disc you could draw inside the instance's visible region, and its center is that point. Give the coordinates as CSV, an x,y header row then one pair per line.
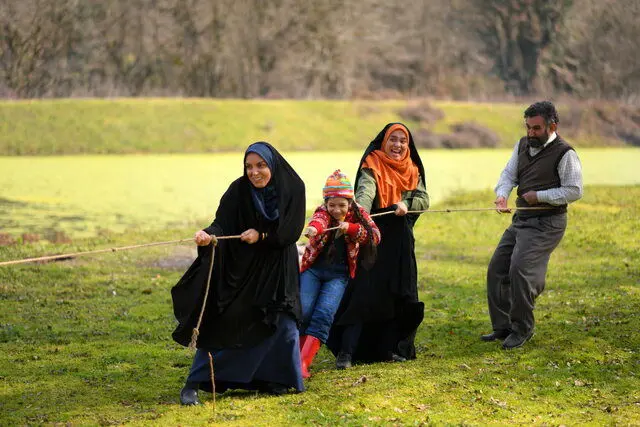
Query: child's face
x,y
338,207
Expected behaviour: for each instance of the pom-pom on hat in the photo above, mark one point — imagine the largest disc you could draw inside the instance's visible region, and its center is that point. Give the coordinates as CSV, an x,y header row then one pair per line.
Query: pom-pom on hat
x,y
338,185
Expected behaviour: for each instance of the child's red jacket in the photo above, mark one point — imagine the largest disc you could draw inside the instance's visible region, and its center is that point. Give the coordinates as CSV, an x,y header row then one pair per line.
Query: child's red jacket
x,y
356,234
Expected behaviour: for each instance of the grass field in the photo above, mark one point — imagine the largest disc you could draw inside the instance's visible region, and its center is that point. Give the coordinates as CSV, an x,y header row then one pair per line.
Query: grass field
x,y
87,341
82,195
125,126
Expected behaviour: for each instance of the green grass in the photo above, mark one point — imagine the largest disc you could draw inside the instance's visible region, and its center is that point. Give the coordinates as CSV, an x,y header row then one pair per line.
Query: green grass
x,y
82,195
121,126
87,341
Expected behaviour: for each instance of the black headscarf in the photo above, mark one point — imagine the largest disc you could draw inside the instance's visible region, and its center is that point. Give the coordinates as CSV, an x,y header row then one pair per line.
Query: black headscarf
x,y
253,284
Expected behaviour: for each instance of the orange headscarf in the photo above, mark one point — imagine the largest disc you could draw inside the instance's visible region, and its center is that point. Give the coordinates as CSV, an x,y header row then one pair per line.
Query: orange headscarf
x,y
392,176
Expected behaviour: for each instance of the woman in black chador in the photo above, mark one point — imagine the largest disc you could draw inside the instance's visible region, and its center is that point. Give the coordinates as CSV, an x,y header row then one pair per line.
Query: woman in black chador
x,y
380,310
250,319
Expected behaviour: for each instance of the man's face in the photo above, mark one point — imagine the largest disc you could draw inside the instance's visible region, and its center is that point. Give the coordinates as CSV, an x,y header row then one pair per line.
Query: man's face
x,y
537,130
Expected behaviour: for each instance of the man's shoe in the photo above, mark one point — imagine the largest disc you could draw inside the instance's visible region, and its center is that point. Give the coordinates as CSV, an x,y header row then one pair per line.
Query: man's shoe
x,y
343,361
515,340
189,396
496,335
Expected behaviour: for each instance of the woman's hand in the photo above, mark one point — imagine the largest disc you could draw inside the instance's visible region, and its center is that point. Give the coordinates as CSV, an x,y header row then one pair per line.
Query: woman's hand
x,y
401,209
310,232
202,238
250,236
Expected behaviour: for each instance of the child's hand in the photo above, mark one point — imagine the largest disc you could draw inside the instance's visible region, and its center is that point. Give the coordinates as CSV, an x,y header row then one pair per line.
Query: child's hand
x,y
310,232
344,227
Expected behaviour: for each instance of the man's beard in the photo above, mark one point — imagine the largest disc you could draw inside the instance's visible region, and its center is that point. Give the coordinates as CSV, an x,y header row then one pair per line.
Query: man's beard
x,y
536,142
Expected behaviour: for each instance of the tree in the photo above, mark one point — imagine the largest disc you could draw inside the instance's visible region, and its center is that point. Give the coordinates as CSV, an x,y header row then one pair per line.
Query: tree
x,y
516,34
598,57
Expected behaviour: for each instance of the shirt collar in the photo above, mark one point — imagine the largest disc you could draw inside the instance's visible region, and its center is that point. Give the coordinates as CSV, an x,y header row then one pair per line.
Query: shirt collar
x,y
550,140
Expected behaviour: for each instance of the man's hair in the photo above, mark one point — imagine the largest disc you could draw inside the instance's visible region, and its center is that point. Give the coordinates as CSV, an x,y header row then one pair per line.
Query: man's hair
x,y
545,109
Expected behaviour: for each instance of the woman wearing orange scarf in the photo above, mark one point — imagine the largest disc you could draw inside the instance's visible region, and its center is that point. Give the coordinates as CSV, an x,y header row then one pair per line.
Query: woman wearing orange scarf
x,y
380,311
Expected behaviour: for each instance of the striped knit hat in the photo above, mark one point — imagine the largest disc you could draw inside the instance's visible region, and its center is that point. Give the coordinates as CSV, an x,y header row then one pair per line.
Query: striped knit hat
x,y
338,185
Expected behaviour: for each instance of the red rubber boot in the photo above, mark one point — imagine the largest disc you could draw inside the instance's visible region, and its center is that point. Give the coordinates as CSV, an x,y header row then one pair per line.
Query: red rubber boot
x,y
309,351
305,371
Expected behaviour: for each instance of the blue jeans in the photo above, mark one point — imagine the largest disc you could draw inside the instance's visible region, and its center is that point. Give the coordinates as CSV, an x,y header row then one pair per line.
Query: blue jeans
x,y
321,290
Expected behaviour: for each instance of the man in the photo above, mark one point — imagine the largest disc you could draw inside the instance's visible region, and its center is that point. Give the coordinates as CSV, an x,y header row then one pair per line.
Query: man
x,y
548,175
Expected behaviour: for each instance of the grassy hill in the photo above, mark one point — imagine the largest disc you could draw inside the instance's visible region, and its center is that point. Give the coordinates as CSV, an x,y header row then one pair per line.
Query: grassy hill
x,y
79,126
87,341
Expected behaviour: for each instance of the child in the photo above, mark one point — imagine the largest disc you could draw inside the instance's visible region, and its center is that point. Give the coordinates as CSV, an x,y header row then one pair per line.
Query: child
x,y
329,260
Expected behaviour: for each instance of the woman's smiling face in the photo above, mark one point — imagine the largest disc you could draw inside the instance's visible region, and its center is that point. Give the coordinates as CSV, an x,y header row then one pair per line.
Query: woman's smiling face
x,y
397,145
257,170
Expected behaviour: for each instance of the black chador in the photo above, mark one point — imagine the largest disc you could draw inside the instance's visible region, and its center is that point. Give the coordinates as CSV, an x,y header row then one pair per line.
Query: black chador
x,y
383,301
251,285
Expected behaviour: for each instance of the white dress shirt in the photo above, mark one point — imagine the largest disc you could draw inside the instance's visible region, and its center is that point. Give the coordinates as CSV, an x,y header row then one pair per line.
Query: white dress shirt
x,y
569,170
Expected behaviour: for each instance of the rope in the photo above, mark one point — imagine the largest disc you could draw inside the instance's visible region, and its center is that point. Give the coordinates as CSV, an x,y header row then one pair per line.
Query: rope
x,y
213,382
170,242
507,210
196,330
99,251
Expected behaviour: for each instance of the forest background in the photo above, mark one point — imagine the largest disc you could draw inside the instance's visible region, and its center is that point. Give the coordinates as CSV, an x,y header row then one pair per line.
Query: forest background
x,y
458,49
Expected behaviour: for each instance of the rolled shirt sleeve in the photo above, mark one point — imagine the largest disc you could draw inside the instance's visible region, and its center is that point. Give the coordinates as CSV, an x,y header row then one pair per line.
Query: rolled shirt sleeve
x,y
570,190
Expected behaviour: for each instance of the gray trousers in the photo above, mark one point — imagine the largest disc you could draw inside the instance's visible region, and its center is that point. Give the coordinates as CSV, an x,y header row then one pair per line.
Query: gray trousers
x,y
516,273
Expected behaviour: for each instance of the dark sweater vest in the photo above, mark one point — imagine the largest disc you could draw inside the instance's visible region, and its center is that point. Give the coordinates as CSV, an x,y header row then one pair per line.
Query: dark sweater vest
x,y
538,173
